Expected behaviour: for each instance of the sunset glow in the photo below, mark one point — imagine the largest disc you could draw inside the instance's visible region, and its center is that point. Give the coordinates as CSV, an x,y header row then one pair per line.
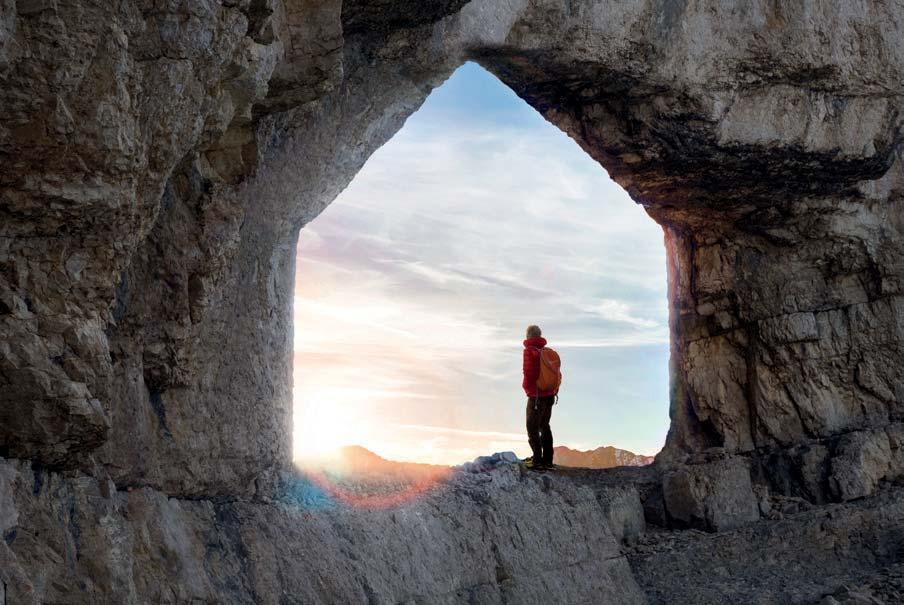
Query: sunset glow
x,y
414,287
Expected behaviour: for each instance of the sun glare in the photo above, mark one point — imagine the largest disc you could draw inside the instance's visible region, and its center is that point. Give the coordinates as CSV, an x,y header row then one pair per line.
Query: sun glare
x,y
324,423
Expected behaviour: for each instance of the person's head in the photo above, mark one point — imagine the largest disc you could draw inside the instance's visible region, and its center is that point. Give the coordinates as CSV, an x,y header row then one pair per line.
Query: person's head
x,y
533,331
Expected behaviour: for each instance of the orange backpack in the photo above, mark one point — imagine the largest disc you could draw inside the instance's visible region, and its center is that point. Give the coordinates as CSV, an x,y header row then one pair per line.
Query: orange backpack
x,y
550,370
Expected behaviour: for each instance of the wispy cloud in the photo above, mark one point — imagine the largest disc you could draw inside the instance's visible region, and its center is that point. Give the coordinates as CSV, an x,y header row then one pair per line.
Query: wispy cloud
x,y
616,310
633,342
448,430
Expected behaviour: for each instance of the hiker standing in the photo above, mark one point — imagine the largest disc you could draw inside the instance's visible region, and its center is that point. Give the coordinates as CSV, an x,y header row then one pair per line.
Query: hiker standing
x,y
542,377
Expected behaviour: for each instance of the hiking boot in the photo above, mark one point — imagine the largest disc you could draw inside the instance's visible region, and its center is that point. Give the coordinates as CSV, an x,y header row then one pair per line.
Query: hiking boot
x,y
534,466
528,459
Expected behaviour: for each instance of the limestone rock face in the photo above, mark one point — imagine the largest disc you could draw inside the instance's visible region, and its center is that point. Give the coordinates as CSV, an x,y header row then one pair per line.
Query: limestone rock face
x,y
802,558
496,538
91,136
157,160
861,461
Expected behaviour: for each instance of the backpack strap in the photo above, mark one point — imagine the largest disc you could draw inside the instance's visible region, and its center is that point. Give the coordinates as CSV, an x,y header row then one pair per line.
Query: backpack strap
x,y
539,351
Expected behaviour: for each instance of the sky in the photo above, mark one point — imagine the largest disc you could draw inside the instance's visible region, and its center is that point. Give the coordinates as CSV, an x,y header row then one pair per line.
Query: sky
x,y
415,286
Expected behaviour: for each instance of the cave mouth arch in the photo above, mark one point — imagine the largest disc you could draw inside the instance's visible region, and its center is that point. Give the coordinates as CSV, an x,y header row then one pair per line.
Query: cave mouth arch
x,y
778,195
158,164
479,204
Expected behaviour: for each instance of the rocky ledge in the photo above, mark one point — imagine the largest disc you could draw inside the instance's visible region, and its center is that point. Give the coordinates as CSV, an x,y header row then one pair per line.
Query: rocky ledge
x,y
503,536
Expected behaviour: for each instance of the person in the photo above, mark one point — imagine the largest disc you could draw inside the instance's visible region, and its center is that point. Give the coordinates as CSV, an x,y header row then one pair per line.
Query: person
x,y
539,402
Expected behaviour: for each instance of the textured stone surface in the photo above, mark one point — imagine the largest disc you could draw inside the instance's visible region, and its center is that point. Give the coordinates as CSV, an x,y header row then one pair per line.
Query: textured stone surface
x,y
157,160
713,496
492,538
500,537
90,142
797,560
862,460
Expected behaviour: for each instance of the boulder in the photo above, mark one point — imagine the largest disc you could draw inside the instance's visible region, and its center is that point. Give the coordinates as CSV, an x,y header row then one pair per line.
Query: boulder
x,y
482,464
624,511
860,461
714,496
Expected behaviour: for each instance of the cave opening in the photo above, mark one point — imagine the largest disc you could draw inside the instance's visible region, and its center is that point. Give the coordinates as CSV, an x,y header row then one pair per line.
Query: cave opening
x,y
413,289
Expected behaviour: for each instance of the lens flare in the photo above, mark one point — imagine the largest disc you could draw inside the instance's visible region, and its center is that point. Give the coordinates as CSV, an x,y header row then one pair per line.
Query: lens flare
x,y
393,495
355,476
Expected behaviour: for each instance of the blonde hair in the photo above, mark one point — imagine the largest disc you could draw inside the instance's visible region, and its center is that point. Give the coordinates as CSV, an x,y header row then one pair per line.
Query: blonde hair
x,y
533,331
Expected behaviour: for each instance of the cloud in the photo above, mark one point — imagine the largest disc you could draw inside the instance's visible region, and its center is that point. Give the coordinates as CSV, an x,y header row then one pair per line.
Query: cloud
x,y
614,343
616,310
437,275
447,430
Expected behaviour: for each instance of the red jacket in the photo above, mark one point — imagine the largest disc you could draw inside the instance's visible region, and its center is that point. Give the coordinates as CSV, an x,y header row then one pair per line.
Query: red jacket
x,y
532,348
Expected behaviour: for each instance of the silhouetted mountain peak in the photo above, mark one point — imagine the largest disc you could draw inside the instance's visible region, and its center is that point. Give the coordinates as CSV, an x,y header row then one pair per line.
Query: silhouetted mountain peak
x,y
601,457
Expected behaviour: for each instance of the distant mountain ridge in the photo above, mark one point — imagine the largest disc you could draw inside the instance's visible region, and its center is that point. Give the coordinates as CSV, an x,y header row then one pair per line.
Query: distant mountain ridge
x,y
601,457
356,459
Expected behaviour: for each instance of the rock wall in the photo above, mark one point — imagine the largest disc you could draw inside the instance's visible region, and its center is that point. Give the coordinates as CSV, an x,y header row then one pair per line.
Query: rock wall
x,y
491,538
507,536
802,556
108,218
157,160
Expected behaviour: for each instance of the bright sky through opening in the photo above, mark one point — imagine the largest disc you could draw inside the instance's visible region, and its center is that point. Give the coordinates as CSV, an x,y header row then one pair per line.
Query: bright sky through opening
x,y
414,287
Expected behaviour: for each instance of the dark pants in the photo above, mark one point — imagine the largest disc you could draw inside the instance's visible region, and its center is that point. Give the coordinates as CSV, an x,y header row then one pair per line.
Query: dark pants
x,y
539,435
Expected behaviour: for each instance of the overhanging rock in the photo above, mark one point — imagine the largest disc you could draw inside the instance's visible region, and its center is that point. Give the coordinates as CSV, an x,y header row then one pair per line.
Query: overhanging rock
x,y
157,164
